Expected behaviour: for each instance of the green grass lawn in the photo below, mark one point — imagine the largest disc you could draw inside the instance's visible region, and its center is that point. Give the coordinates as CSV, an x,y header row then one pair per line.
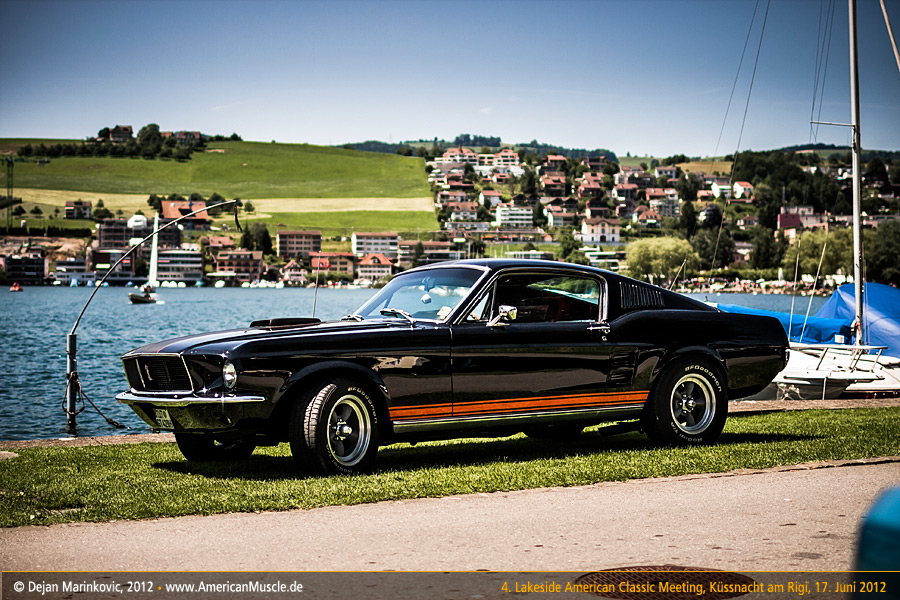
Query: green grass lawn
x,y
343,224
142,481
235,169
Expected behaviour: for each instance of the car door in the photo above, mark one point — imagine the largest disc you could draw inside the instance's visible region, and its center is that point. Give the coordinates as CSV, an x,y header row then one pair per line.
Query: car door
x,y
551,357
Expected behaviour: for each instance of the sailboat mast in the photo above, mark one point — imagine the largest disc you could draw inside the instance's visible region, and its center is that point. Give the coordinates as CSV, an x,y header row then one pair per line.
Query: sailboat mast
x,y
856,150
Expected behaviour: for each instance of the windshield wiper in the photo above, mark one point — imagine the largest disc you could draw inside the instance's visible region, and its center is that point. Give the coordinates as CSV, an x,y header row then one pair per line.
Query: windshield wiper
x,y
398,312
352,317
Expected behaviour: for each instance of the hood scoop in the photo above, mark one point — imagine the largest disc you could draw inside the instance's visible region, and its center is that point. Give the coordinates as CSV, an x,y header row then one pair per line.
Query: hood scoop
x,y
285,322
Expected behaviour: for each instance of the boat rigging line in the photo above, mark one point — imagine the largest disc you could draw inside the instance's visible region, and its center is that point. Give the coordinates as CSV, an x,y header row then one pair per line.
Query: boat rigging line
x,y
743,123
74,390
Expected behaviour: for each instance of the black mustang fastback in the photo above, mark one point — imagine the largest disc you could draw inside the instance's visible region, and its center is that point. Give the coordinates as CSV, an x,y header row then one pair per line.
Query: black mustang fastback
x,y
459,349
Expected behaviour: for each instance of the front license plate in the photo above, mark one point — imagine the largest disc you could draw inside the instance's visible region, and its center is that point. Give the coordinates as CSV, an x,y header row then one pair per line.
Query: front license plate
x,y
163,420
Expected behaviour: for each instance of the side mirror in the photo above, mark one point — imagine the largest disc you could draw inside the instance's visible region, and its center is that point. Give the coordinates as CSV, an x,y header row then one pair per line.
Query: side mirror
x,y
505,314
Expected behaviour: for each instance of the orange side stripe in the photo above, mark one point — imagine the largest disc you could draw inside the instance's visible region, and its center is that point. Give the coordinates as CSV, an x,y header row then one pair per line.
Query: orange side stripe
x,y
518,405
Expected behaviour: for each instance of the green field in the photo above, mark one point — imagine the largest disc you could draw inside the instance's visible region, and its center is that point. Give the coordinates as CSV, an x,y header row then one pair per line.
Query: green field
x,y
344,223
233,169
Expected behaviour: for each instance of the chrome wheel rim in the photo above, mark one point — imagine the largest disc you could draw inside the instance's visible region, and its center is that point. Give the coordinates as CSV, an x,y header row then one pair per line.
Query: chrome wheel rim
x,y
349,430
693,404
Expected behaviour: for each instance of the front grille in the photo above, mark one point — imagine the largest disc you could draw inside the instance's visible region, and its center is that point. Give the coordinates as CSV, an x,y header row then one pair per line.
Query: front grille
x,y
164,374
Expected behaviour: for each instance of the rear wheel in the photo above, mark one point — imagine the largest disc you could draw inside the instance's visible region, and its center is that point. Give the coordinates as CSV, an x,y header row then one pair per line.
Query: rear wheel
x,y
336,432
203,447
688,405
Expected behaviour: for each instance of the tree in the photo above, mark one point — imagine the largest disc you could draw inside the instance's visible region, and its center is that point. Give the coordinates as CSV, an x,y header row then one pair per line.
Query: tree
x,y
766,252
529,182
567,243
248,207
882,250
838,256
715,249
18,211
660,258
687,222
37,212
256,237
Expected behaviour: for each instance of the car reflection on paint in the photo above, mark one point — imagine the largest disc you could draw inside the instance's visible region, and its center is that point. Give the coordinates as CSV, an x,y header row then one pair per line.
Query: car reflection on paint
x,y
457,349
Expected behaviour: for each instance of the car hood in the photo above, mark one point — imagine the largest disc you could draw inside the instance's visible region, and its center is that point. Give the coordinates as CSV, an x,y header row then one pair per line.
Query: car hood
x,y
219,342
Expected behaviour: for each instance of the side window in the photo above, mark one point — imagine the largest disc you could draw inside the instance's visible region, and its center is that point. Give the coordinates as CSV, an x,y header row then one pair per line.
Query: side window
x,y
549,299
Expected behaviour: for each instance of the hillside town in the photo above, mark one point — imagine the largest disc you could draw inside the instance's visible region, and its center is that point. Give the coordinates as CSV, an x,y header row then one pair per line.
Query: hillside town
x,y
517,205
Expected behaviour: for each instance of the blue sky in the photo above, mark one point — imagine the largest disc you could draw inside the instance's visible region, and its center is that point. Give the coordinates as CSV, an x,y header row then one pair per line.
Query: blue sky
x,y
644,76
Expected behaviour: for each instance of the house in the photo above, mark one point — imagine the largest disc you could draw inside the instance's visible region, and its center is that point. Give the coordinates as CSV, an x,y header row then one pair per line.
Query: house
x,y
340,262
506,158
721,188
174,209
78,209
594,163
432,252
375,267
646,216
291,243
748,222
597,208
742,189
600,230
119,233
591,186
180,264
490,198
293,273
445,196
558,217
553,185
669,172
460,155
217,243
463,211
121,133
188,138
625,191
554,162
238,266
385,242
508,216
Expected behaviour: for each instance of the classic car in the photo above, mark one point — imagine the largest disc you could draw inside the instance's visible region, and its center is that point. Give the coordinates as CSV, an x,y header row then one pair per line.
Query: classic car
x,y
459,349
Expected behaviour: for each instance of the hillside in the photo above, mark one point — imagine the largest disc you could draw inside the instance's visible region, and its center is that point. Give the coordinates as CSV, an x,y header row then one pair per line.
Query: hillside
x,y
233,169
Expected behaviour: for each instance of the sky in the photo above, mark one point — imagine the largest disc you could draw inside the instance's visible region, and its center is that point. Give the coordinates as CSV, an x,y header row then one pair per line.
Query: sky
x,y
645,77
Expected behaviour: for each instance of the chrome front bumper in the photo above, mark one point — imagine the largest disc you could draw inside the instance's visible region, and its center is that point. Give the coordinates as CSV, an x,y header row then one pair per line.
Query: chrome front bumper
x,y
174,400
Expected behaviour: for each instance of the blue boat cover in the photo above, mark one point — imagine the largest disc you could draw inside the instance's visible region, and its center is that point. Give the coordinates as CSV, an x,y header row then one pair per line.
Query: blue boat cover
x,y
817,330
881,313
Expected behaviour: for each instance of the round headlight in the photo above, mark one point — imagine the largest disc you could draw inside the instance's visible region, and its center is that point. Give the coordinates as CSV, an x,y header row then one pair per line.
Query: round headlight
x,y
229,374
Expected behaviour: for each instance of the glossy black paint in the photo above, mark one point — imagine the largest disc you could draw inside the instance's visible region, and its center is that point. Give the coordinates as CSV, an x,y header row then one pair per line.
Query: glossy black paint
x,y
445,378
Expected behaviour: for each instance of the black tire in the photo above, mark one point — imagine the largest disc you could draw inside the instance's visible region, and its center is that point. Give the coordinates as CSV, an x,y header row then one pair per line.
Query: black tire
x,y
687,406
198,447
561,432
336,432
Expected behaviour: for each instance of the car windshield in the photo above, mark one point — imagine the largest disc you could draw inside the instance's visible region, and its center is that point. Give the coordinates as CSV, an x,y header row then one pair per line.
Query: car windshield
x,y
431,294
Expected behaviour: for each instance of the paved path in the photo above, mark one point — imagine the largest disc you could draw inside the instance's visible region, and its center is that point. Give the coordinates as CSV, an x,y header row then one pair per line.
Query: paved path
x,y
803,518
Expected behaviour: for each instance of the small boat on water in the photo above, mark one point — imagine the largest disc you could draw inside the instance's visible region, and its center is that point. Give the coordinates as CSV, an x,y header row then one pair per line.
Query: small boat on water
x,y
141,298
15,287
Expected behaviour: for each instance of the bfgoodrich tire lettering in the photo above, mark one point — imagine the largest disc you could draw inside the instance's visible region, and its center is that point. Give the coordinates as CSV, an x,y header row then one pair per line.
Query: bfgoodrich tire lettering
x,y
203,447
336,432
688,405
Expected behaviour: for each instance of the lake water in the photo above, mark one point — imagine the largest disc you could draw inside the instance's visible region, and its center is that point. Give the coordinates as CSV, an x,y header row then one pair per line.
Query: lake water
x,y
34,325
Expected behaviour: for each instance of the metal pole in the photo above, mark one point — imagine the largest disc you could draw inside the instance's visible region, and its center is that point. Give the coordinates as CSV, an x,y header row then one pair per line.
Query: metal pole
x,y
856,147
72,382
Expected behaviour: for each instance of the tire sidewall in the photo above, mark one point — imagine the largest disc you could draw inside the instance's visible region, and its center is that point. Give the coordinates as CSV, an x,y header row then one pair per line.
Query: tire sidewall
x,y
316,427
662,427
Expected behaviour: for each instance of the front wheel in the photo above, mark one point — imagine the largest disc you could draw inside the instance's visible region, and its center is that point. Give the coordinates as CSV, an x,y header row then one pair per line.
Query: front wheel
x,y
203,447
688,405
336,432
